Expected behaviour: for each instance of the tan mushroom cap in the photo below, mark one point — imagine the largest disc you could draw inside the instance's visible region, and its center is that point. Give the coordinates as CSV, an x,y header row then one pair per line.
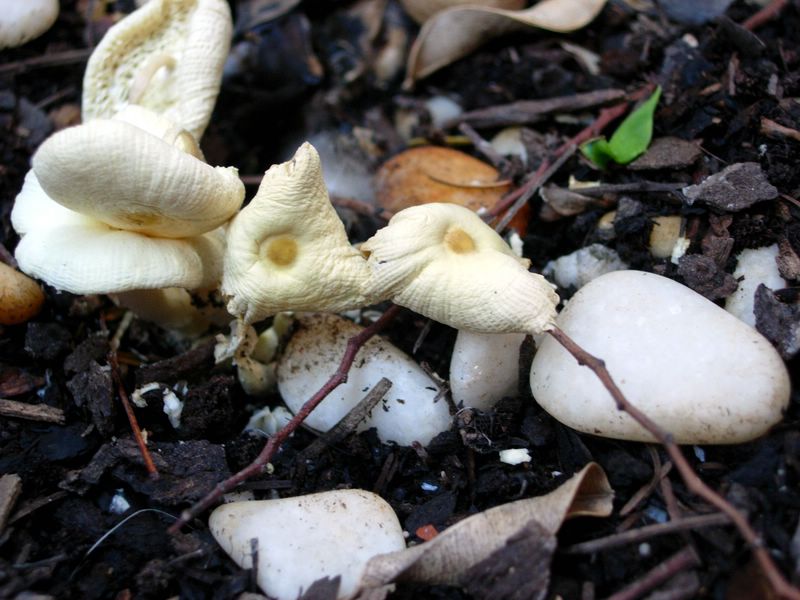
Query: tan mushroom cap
x,y
167,56
444,262
288,250
78,254
131,180
25,20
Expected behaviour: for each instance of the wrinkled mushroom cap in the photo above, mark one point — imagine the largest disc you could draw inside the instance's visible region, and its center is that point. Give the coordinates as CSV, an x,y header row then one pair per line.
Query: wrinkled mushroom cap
x,y
25,20
444,262
288,250
129,179
167,56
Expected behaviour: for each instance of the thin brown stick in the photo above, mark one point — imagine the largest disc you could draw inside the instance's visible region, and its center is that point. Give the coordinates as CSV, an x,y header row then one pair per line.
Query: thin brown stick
x,y
676,563
640,534
137,432
769,12
272,446
484,147
690,478
31,412
48,60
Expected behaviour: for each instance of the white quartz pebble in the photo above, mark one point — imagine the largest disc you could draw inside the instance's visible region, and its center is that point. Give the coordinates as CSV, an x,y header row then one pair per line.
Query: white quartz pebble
x,y
484,368
754,266
580,267
409,411
697,371
309,537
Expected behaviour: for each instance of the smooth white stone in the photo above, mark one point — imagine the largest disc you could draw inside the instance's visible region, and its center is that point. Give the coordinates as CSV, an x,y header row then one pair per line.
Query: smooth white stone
x,y
309,537
697,371
408,412
515,456
756,266
580,267
484,367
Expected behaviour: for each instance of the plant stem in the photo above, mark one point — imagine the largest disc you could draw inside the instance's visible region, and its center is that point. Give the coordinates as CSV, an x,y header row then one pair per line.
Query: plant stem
x,y
690,478
272,446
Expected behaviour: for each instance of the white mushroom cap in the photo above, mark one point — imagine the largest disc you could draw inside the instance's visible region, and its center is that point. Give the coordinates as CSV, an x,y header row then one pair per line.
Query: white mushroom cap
x,y
444,262
166,56
131,180
25,20
78,254
288,250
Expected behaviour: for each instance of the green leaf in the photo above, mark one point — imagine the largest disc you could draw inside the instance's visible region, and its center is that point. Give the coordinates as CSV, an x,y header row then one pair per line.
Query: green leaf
x,y
630,139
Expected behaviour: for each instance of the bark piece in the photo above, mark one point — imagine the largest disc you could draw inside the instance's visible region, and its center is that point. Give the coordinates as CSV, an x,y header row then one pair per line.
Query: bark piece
x,y
734,188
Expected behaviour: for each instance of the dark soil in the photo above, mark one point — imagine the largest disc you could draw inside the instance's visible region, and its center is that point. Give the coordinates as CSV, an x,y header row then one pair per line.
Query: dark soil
x,y
720,82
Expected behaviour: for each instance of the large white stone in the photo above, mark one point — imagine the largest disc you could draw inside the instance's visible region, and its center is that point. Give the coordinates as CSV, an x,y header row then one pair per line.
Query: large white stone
x,y
693,368
484,367
409,411
754,266
309,537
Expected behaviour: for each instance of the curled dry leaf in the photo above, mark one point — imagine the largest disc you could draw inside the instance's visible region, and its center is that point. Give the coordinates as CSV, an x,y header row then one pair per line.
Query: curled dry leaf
x,y
20,296
422,10
449,558
436,174
453,33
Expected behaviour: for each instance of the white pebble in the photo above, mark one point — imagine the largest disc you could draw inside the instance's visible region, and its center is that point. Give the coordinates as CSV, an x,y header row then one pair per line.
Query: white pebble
x,y
694,369
756,266
408,412
515,456
303,539
508,142
484,367
664,235
442,109
579,268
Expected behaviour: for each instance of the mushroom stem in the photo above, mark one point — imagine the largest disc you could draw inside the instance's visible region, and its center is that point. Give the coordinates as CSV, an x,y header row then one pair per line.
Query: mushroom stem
x,y
690,478
145,75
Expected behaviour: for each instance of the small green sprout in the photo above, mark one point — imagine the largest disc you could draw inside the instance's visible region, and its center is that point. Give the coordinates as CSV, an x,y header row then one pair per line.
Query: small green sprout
x,y
630,139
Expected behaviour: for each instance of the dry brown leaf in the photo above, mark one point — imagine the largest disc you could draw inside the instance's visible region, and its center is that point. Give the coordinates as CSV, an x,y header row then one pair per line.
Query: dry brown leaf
x,y
455,32
422,10
450,557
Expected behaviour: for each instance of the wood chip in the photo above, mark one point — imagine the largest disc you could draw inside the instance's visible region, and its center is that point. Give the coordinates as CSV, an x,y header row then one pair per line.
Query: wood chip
x,y
10,489
31,412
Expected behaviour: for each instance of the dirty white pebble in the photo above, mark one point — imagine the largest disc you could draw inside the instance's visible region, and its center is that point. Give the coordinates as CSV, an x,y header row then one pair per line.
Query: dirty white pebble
x,y
580,267
119,503
515,456
754,266
409,412
697,371
303,539
268,421
173,408
484,367
442,109
664,235
508,142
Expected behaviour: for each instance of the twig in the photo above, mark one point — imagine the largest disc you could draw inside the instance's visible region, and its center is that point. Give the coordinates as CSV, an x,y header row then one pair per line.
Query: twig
x,y
633,536
690,478
530,111
770,11
31,412
347,423
660,573
354,344
137,432
627,188
10,489
659,472
481,145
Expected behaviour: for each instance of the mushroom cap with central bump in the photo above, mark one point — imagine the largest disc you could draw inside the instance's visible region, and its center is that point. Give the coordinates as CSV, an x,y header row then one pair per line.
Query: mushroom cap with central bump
x,y
444,262
167,56
129,179
288,250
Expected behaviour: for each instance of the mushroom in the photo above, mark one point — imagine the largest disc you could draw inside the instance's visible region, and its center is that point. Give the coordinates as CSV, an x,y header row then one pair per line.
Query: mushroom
x,y
444,262
288,250
111,208
167,56
21,22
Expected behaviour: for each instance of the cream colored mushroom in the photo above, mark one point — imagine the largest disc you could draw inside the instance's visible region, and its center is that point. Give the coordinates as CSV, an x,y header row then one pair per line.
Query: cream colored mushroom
x,y
166,56
444,262
110,208
288,250
25,20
